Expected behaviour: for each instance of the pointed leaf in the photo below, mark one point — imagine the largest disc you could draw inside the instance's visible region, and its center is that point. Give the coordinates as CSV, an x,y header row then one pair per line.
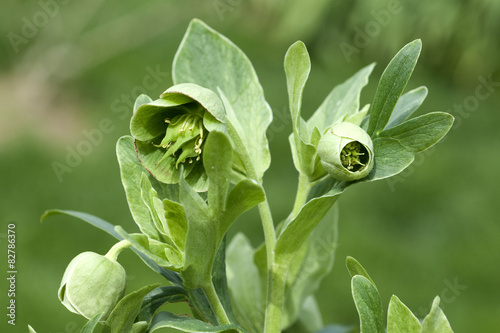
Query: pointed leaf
x,y
391,158
31,330
296,232
406,105
343,101
391,85
355,268
244,196
436,321
400,318
186,324
368,304
209,59
123,315
421,133
91,325
110,229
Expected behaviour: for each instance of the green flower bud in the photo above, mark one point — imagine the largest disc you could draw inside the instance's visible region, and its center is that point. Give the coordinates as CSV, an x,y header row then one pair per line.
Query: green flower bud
x,y
346,152
92,284
171,131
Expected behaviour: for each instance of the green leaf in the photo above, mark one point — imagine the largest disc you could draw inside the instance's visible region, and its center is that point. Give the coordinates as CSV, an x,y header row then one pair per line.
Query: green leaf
x,y
110,229
391,85
245,284
31,330
244,196
355,268
201,238
131,172
436,321
158,297
390,159
342,102
176,223
123,315
313,267
296,232
297,68
154,205
368,304
406,105
217,158
219,280
186,324
91,325
162,254
400,318
420,133
209,59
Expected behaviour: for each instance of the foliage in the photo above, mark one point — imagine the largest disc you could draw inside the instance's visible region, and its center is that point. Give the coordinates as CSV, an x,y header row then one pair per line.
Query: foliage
x,y
215,119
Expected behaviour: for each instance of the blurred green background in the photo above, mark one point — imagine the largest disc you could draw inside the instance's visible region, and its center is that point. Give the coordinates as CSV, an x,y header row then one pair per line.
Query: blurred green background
x,y
68,66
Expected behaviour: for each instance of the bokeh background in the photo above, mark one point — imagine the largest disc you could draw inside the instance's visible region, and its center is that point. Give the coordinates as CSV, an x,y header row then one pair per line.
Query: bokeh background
x,y
70,70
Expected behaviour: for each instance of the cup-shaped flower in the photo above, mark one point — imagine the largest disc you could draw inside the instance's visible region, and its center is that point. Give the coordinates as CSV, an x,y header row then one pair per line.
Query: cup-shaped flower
x,y
92,284
346,152
170,132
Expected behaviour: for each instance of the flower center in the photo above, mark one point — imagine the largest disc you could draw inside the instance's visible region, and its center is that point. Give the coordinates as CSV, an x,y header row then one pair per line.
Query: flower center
x,y
354,156
184,136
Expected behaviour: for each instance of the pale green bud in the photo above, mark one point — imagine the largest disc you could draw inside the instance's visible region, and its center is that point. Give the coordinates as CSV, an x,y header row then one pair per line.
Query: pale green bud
x,y
92,284
346,152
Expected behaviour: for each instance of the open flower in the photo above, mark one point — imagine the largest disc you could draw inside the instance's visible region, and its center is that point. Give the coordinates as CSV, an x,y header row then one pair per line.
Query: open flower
x,y
171,131
346,152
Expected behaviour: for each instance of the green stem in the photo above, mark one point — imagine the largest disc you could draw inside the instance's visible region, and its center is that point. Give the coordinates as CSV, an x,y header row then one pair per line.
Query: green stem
x,y
216,304
269,232
275,297
115,251
302,192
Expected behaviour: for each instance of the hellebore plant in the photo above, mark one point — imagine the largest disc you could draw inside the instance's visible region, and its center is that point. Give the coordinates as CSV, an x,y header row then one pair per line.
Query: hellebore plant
x,y
194,163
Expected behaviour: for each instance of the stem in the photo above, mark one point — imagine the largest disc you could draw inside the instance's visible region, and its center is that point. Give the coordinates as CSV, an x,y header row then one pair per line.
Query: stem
x,y
269,232
216,304
115,251
275,297
302,192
